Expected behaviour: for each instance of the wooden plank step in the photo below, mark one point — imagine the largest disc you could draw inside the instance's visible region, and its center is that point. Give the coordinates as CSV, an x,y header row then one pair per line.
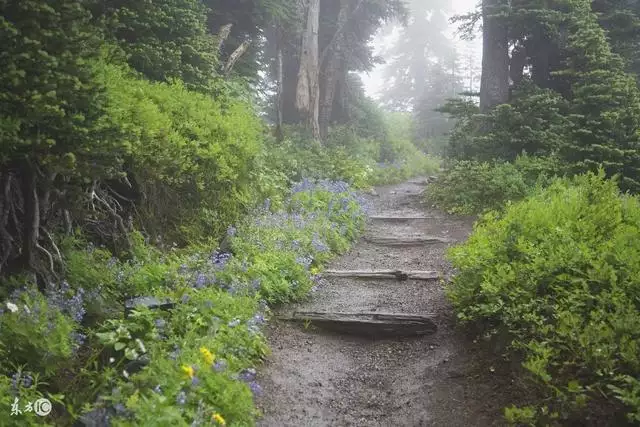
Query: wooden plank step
x,y
367,324
406,241
383,274
399,218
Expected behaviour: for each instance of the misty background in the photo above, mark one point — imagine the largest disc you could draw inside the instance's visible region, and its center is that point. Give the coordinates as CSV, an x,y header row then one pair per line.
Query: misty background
x,y
468,54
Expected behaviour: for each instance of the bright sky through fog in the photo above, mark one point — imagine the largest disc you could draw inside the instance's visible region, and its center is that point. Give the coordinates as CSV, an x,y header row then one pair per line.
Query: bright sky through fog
x,y
373,81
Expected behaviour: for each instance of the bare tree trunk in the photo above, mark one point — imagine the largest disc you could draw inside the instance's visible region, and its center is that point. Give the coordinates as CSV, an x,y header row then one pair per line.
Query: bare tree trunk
x,y
31,224
517,64
540,62
328,94
331,61
494,84
280,90
307,91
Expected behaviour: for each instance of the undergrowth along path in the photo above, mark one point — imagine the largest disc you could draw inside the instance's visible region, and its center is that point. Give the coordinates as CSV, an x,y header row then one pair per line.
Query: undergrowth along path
x,y
319,378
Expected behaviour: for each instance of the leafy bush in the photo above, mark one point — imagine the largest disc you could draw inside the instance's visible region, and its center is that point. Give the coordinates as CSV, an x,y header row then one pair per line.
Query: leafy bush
x,y
558,273
298,157
416,164
469,187
191,157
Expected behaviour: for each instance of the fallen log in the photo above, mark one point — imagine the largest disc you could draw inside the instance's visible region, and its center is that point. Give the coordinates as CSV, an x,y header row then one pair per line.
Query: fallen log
x,y
367,324
423,181
399,218
406,241
383,274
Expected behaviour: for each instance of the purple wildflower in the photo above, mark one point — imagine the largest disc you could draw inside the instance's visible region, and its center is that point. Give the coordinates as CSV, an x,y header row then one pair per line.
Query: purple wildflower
x,y
304,261
220,365
175,353
318,244
231,231
160,323
120,408
201,281
27,381
220,259
248,375
14,380
255,388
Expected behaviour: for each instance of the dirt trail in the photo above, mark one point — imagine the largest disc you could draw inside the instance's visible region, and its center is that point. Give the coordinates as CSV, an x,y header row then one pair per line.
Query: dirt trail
x,y
314,378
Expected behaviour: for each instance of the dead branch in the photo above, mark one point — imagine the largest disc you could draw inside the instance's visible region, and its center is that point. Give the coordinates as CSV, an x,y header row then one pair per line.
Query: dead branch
x,y
67,222
49,256
118,221
223,34
235,56
53,244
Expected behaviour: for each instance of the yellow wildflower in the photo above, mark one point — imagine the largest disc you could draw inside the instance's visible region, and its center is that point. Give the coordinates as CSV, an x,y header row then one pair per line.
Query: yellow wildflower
x,y
188,370
314,270
208,356
218,418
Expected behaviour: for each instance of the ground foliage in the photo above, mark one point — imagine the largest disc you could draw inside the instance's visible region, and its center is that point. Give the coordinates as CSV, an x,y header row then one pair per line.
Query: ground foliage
x,y
557,274
131,167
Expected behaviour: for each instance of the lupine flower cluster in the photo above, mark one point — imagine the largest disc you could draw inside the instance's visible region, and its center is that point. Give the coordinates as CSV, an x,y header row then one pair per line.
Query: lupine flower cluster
x,y
21,379
58,296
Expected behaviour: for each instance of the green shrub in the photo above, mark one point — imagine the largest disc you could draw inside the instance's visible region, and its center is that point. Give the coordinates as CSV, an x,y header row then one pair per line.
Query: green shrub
x,y
469,187
192,157
35,332
559,273
298,157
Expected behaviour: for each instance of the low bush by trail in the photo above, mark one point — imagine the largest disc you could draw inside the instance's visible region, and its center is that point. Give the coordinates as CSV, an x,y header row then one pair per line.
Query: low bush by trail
x,y
558,274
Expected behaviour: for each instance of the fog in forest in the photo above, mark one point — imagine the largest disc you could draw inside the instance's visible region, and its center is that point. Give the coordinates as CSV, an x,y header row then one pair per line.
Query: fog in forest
x,y
429,31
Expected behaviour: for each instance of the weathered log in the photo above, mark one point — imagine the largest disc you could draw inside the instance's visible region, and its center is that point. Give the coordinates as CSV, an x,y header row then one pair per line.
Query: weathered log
x,y
399,218
367,324
423,181
148,302
405,241
383,274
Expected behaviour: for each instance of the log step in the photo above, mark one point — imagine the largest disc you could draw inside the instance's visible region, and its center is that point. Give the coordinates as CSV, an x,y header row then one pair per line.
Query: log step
x,y
399,218
367,324
383,274
406,241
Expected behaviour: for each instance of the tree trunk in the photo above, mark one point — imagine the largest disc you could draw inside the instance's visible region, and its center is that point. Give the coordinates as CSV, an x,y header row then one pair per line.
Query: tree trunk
x,y
330,64
280,90
307,91
291,65
330,76
494,85
517,64
31,224
540,60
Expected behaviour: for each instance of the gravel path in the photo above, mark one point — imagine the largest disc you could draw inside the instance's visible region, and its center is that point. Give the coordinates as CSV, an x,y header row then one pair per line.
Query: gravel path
x,y
314,378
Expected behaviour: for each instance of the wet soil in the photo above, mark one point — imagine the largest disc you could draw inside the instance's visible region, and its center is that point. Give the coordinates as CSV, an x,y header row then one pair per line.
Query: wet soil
x,y
315,378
